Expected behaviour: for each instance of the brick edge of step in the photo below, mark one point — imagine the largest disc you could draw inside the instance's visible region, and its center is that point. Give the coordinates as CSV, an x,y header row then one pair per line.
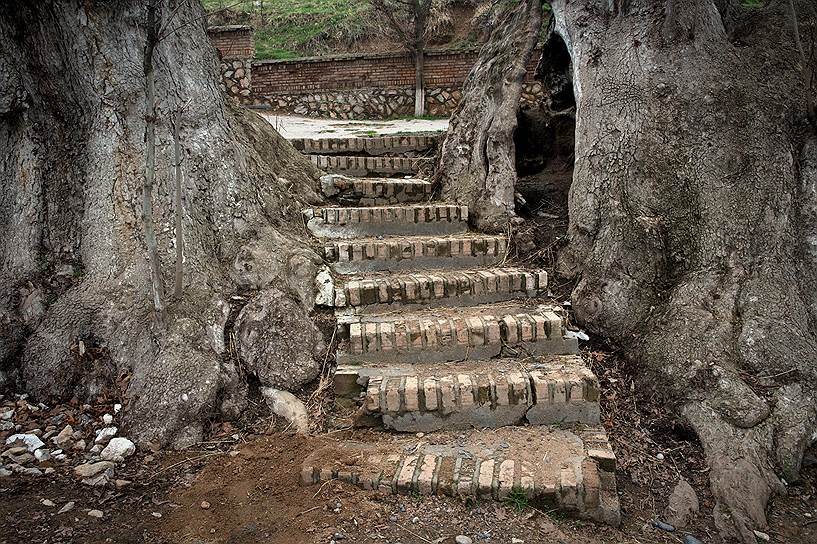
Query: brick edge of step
x,y
586,489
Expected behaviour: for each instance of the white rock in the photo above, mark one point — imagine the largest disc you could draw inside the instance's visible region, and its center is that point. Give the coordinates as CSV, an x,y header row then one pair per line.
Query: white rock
x,y
517,541
660,456
6,415
117,408
325,286
4,472
42,454
103,436
67,508
118,449
289,407
46,502
95,513
107,419
462,539
64,437
31,441
762,536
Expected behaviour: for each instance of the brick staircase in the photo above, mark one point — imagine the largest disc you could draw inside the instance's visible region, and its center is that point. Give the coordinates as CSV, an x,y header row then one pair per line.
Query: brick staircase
x,y
440,335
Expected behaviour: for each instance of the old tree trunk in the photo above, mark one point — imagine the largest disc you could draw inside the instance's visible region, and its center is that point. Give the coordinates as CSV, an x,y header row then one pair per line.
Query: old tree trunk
x,y
693,216
76,313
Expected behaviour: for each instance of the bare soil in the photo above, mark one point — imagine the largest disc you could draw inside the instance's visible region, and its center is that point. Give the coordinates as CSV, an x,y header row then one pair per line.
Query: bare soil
x,y
243,487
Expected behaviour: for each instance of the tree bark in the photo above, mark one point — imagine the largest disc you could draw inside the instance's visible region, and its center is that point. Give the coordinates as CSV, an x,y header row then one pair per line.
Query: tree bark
x,y
419,83
74,260
477,163
150,163
178,284
693,219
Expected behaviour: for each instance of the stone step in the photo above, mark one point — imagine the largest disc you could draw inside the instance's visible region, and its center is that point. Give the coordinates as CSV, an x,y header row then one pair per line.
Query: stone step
x,y
566,469
453,334
438,288
413,253
369,166
373,145
375,191
493,393
405,220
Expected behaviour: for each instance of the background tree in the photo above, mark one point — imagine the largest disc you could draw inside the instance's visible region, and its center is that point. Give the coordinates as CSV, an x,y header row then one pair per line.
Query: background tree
x,y
74,264
408,20
692,216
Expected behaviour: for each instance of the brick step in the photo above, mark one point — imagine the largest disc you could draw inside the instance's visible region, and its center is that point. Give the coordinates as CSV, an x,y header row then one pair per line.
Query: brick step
x,y
566,469
453,334
369,166
415,252
493,393
373,145
405,220
438,288
375,191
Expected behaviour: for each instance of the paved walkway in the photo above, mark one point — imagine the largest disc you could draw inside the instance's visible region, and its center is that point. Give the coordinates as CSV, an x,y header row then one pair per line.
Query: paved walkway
x,y
291,126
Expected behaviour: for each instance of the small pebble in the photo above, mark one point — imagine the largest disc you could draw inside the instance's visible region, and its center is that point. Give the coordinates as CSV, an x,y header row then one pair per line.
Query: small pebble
x,y
660,456
762,536
156,514
46,502
117,408
415,519
339,536
689,539
205,505
107,419
95,513
393,517
663,526
420,435
67,508
462,539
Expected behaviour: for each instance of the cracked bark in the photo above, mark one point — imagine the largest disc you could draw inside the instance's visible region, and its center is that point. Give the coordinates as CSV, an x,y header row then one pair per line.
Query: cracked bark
x,y
693,220
477,157
74,261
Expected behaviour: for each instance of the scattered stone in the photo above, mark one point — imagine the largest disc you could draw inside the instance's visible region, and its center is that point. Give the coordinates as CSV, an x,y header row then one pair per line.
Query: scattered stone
x,y
42,454
6,425
7,414
122,483
14,452
32,471
660,456
683,505
47,502
205,505
156,514
96,448
762,536
689,539
88,470
4,473
658,524
118,449
420,435
67,508
79,445
104,436
31,441
95,513
22,459
49,470
415,519
107,419
117,408
288,406
99,480
517,541
462,539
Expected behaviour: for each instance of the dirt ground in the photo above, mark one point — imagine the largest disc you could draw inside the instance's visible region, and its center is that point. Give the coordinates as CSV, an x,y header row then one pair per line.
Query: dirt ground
x,y
242,486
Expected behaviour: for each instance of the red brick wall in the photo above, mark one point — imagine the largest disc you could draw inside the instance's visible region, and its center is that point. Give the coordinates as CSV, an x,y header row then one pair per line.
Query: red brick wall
x,y
361,71
233,42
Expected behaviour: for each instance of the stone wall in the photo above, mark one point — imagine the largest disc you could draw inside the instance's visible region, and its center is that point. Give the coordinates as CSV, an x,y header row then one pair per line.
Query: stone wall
x,y
236,48
348,86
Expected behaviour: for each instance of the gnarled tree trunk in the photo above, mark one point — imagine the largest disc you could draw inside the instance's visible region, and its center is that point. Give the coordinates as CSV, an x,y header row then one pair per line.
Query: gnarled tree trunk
x,y
693,220
74,263
477,158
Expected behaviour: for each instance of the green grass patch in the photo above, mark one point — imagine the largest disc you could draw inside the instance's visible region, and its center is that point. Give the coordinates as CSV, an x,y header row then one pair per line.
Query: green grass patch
x,y
518,500
295,28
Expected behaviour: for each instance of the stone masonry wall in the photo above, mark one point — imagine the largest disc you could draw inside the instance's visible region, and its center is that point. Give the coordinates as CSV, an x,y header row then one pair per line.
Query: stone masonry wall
x,y
236,48
348,86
